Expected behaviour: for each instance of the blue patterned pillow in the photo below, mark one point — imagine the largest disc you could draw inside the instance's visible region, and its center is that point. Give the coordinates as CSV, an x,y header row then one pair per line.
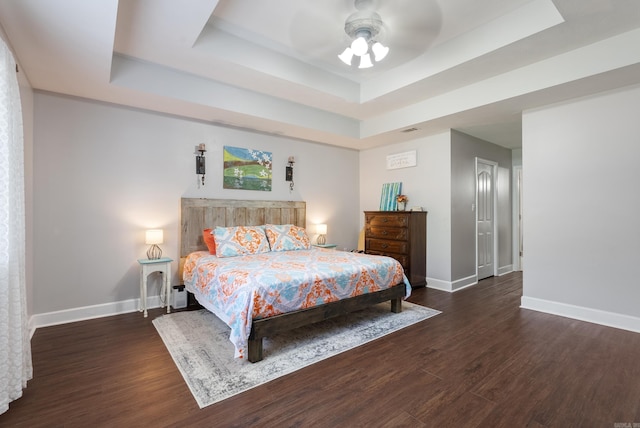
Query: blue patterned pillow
x,y
287,237
240,241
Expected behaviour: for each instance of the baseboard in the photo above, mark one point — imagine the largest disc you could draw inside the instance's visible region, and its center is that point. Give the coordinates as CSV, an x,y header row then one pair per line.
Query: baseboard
x,y
457,285
32,327
463,283
505,270
89,312
438,284
596,316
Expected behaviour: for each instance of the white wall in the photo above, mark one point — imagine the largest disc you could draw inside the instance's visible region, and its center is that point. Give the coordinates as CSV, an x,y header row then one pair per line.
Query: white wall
x,y
428,185
581,204
103,174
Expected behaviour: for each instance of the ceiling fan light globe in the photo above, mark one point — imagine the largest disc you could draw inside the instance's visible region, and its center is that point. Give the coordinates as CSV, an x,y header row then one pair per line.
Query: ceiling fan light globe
x,y
359,46
346,56
365,61
380,51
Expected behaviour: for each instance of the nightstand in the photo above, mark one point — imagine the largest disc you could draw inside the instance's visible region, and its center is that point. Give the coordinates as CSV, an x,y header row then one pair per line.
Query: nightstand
x,y
147,267
327,246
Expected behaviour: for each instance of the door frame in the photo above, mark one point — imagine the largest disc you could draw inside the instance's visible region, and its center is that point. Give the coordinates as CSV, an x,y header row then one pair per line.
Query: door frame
x,y
494,182
518,253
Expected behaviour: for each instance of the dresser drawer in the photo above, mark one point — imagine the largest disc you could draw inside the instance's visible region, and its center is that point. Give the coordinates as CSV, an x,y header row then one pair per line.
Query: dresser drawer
x,y
393,220
401,235
402,258
397,233
387,246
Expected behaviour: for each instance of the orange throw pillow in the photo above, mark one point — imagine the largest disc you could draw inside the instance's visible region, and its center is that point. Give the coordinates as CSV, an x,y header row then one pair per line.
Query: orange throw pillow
x,y
209,240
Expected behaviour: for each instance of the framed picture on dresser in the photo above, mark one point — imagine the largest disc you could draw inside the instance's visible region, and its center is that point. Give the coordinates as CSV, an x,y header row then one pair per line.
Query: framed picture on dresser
x,y
388,200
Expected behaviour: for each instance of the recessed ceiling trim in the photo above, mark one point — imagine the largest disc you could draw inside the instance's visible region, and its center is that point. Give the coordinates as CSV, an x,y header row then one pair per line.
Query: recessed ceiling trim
x,y
523,22
592,60
173,84
230,48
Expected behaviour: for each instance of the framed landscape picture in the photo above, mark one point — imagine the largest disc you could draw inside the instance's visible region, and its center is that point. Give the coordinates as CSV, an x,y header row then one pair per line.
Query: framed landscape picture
x,y
246,169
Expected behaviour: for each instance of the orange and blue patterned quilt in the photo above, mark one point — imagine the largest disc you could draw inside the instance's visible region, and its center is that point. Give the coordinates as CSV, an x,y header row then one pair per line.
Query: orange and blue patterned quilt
x,y
240,289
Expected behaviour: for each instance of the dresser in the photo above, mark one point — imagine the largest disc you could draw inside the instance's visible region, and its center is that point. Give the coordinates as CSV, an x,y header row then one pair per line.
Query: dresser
x,y
401,235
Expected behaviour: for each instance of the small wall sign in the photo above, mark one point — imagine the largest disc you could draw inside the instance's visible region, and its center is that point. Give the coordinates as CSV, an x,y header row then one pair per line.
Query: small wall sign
x,y
401,160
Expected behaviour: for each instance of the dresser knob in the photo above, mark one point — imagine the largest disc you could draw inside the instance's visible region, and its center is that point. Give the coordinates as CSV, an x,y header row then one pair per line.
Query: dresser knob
x,y
384,232
385,245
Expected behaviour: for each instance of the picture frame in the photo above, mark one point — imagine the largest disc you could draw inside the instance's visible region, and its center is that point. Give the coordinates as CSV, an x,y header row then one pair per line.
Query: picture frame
x,y
388,200
247,169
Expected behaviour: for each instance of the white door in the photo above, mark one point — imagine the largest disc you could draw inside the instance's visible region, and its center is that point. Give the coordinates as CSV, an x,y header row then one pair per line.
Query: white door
x,y
485,218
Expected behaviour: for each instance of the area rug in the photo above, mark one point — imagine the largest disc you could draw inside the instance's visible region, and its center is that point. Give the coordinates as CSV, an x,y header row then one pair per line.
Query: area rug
x,y
199,344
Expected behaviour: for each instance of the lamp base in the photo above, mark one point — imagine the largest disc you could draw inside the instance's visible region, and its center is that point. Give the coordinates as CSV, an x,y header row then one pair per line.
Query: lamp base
x,y
154,252
322,239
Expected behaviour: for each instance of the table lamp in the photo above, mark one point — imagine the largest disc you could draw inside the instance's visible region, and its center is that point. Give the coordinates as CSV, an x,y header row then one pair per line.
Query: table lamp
x,y
321,230
154,237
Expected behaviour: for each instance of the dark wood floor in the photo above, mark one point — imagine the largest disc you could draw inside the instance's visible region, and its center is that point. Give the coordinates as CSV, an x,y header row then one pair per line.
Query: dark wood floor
x,y
483,362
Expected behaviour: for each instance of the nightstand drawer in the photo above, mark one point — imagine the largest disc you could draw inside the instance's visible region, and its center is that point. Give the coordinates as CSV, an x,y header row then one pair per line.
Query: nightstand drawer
x,y
388,220
397,233
386,246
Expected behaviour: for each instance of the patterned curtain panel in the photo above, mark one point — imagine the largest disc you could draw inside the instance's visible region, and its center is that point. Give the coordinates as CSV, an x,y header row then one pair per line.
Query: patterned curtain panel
x,y
15,347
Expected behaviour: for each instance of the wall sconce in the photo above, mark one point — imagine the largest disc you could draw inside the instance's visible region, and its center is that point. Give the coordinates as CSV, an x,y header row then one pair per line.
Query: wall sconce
x,y
200,166
154,237
321,230
288,174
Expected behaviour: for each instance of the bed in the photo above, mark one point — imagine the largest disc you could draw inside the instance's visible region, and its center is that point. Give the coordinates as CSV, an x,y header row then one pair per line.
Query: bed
x,y
267,310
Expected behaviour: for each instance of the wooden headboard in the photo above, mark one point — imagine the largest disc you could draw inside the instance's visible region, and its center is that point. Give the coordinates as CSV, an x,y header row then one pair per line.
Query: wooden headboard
x,y
200,214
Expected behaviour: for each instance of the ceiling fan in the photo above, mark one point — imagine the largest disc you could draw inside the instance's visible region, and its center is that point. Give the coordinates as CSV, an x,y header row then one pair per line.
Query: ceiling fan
x,y
320,30
364,27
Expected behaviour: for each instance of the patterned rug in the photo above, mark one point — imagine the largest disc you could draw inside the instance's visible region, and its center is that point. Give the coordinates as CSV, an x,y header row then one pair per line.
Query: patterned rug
x,y
199,344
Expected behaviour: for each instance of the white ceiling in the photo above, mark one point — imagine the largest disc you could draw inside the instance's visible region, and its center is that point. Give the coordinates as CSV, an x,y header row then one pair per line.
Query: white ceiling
x,y
272,66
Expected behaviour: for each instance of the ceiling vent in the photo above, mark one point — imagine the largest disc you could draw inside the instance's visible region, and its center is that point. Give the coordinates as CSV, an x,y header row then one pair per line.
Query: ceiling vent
x,y
409,130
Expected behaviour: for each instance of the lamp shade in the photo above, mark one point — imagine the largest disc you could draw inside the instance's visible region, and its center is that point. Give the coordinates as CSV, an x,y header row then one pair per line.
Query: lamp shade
x,y
154,237
379,51
365,61
321,229
359,46
346,56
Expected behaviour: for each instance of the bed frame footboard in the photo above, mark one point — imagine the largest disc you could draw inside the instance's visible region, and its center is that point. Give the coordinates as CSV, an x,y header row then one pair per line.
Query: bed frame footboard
x,y
272,325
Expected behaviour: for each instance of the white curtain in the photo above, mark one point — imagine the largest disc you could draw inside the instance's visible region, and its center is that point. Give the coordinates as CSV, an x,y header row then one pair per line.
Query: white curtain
x,y
15,348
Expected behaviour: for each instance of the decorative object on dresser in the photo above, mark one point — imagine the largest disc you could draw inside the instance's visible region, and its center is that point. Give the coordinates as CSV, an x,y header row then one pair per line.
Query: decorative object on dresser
x,y
401,235
390,191
402,202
